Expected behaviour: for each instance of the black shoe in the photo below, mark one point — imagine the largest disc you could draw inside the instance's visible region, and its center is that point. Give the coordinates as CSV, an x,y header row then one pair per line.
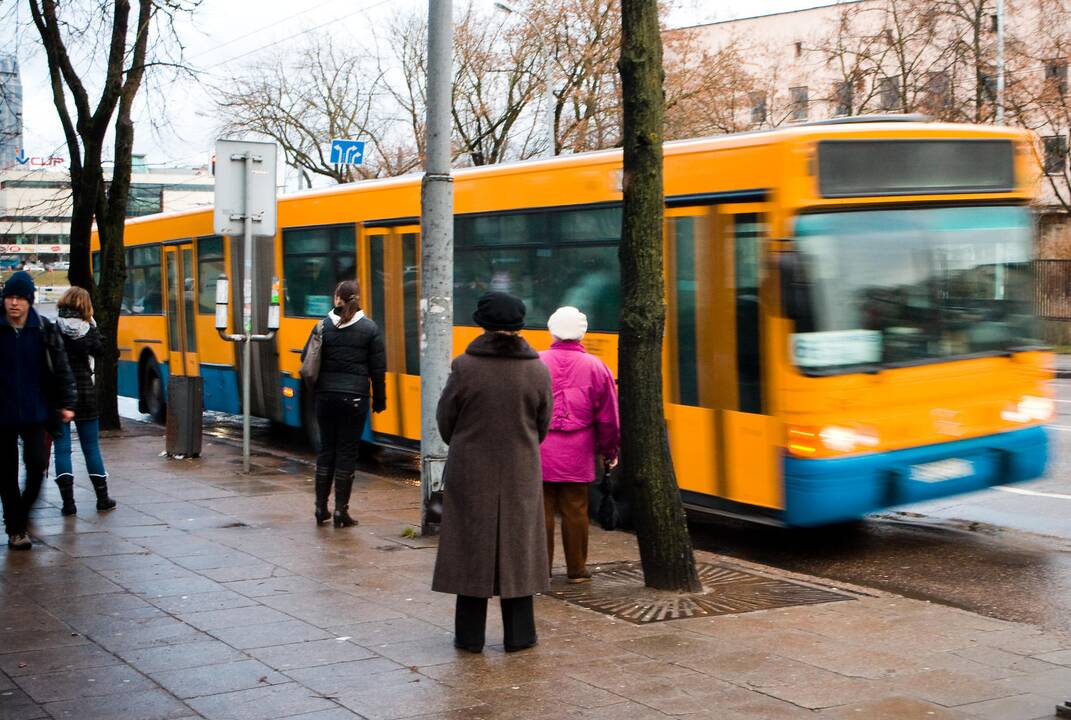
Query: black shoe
x,y
323,492
342,518
476,649
100,486
19,541
518,648
65,483
343,488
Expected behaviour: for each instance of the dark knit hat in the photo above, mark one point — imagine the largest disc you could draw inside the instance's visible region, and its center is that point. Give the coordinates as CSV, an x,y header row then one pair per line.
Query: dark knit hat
x,y
20,285
499,311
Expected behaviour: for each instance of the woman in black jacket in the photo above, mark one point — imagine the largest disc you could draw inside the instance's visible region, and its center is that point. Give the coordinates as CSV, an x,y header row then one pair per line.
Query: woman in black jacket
x,y
81,340
352,359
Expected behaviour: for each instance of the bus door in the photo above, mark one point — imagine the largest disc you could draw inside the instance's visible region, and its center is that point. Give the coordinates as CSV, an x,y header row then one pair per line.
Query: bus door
x,y
692,367
748,429
394,267
181,310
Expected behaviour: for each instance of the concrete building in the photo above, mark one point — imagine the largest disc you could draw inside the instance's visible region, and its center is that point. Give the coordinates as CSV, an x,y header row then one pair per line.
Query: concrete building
x,y
35,205
10,111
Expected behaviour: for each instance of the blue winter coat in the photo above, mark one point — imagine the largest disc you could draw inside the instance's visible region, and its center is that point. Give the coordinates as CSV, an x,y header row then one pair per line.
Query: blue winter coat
x,y
35,377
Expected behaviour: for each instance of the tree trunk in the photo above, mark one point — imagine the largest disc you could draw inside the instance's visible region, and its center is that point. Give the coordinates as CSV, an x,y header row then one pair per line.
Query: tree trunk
x,y
647,467
107,301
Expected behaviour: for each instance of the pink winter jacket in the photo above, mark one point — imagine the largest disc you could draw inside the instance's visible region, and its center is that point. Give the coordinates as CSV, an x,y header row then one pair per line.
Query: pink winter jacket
x,y
585,420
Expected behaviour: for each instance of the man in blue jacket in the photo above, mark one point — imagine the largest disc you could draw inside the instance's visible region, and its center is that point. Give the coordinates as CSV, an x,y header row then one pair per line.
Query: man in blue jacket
x,y
37,392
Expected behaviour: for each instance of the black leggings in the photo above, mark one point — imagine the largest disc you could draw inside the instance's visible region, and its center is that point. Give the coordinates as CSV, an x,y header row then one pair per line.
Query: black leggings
x,y
341,419
35,451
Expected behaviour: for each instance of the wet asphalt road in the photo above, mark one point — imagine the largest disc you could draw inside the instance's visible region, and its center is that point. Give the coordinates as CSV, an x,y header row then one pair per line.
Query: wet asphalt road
x,y
999,553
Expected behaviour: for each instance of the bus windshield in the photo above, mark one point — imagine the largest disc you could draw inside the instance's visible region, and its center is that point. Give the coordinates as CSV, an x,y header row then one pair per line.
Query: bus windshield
x,y
905,286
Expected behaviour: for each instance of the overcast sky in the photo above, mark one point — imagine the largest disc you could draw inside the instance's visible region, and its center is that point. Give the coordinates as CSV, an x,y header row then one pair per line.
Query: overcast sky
x,y
227,33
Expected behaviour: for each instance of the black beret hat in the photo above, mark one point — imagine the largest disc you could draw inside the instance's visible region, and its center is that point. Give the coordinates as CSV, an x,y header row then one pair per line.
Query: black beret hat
x,y
499,311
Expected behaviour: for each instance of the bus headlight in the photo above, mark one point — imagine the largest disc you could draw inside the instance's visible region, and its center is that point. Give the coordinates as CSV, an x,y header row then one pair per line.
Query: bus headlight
x,y
1030,408
807,442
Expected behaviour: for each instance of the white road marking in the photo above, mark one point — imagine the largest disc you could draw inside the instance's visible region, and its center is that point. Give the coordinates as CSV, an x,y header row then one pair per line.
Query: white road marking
x,y
1035,493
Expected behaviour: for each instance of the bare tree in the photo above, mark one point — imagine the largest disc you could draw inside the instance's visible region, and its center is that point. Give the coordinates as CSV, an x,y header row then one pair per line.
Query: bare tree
x,y
129,45
706,90
647,466
320,92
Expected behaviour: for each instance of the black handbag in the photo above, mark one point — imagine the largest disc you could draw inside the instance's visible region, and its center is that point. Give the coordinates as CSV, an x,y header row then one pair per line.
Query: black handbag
x,y
607,512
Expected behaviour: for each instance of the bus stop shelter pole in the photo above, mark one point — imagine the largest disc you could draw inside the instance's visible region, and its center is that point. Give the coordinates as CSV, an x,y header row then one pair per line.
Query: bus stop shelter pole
x,y
247,308
437,266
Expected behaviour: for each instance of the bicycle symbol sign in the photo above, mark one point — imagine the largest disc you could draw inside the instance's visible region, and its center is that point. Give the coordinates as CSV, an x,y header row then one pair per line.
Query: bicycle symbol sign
x,y
347,152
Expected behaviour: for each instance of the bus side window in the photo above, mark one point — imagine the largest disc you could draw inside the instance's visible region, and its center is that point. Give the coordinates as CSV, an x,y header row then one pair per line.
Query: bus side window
x,y
315,260
684,291
747,235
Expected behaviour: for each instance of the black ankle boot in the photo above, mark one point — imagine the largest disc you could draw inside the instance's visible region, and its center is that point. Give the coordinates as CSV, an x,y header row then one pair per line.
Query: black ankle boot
x,y
323,492
65,483
343,487
100,486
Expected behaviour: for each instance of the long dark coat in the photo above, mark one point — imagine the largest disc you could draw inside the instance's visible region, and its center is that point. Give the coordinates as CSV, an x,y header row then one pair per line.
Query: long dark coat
x,y
494,413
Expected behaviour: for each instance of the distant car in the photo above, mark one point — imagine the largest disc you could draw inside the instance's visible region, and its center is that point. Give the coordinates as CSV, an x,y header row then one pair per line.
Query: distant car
x,y
61,266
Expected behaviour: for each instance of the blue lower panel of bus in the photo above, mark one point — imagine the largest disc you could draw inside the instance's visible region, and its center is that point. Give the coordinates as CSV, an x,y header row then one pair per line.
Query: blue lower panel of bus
x,y
292,404
128,378
818,492
221,388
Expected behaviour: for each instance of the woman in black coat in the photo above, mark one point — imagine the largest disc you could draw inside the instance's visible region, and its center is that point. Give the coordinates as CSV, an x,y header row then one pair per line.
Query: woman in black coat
x,y
82,341
352,360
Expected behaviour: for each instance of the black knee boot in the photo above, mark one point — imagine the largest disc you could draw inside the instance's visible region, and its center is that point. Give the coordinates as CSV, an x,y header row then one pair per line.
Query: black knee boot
x,y
65,483
518,623
323,492
100,486
470,623
343,487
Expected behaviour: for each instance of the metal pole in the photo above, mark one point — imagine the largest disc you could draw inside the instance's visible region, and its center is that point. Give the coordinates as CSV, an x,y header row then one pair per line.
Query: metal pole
x,y
548,79
247,308
437,255
1000,62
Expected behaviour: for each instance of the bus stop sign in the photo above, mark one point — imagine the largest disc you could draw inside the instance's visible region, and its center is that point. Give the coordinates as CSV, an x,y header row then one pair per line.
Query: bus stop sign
x,y
232,193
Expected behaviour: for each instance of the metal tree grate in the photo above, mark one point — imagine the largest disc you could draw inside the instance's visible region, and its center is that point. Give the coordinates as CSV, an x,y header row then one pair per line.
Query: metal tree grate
x,y
617,589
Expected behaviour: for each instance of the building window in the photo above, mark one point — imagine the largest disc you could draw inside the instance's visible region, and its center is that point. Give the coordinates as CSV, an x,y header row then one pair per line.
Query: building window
x,y
145,200
1056,75
799,49
142,293
799,102
565,257
758,107
315,260
843,98
209,268
1055,154
994,23
889,92
937,92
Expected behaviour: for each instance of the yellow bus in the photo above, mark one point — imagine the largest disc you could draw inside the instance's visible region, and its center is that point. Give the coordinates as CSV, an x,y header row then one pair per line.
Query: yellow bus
x,y
849,304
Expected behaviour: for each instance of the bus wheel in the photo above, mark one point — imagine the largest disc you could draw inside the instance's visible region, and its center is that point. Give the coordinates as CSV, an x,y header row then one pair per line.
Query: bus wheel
x,y
153,391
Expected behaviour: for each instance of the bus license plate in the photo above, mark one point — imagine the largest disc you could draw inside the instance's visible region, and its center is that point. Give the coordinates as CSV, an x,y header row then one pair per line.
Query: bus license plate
x,y
942,470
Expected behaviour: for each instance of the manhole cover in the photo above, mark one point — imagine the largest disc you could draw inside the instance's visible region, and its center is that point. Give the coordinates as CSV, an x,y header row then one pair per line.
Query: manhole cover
x,y
617,589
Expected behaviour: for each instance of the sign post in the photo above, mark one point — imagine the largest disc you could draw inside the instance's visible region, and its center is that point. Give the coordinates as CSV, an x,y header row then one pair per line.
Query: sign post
x,y
245,204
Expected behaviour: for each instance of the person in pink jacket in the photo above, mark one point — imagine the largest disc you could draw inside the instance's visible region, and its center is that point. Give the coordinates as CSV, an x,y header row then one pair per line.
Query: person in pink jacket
x,y
584,424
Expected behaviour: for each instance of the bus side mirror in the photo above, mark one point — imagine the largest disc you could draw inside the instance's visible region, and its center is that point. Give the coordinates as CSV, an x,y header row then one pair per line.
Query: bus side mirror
x,y
795,286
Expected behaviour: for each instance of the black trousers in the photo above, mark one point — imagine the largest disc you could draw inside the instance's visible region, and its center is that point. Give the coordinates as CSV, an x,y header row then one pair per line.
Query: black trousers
x,y
35,451
341,419
518,622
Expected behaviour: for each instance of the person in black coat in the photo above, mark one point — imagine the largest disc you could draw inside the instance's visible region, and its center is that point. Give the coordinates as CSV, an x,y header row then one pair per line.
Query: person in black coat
x,y
82,341
352,358
37,394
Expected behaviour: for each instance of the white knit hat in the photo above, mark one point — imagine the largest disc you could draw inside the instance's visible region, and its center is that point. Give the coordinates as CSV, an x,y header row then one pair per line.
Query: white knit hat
x,y
568,323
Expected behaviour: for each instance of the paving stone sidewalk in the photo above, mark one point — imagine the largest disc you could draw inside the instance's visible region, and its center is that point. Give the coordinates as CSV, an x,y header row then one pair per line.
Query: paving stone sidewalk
x,y
212,594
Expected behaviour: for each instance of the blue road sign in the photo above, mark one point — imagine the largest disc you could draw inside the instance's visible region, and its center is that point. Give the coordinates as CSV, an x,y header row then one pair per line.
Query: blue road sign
x,y
347,152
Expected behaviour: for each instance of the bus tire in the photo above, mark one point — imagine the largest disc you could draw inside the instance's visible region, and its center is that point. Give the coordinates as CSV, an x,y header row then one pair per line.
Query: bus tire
x,y
153,400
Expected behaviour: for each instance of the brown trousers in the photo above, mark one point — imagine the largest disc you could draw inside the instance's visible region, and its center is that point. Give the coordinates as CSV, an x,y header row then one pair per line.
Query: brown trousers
x,y
571,501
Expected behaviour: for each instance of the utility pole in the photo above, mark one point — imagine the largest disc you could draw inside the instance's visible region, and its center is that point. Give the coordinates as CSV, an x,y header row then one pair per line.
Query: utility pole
x,y
1000,62
436,258
548,74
